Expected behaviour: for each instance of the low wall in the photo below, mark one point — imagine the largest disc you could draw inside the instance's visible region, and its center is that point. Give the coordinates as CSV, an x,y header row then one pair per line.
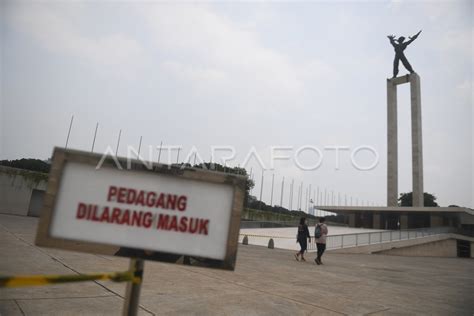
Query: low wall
x,y
21,191
440,248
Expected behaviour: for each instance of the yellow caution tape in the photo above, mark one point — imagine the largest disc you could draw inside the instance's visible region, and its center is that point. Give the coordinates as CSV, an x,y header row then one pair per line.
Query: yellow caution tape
x,y
38,280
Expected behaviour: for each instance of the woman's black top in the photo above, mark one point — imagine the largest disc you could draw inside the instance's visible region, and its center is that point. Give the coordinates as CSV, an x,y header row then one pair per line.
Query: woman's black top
x,y
303,232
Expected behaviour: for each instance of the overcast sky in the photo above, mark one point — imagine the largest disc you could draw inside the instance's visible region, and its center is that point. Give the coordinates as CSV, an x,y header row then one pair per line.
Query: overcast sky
x,y
247,75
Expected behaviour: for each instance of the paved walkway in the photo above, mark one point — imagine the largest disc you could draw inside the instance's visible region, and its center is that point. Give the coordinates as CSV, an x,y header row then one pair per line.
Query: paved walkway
x,y
266,282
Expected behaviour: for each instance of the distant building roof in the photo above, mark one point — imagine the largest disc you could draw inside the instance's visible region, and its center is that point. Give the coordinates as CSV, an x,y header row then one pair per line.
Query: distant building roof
x,y
403,209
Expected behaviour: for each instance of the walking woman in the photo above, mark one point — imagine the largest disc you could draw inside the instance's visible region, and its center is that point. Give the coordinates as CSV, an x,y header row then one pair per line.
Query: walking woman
x,y
302,238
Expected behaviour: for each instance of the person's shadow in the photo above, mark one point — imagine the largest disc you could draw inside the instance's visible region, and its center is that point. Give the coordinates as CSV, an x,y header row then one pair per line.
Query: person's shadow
x,y
166,257
147,255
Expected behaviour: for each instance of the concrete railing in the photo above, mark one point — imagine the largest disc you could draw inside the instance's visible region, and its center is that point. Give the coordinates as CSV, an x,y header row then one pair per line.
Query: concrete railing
x,y
349,240
370,238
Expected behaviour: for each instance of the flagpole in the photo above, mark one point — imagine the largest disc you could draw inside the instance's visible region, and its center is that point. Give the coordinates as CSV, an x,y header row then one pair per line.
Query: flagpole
x,y
139,147
95,134
118,142
159,152
309,198
291,194
306,200
69,131
281,195
271,196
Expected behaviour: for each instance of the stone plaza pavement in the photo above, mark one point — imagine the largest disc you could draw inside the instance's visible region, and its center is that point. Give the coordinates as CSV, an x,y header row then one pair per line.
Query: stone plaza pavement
x,y
265,282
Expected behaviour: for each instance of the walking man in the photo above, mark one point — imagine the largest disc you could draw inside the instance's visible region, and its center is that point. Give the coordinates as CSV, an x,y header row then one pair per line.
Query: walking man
x,y
399,55
320,234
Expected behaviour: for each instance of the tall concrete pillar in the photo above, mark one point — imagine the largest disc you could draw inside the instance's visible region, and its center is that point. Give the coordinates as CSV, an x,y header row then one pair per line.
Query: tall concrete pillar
x,y
392,144
392,139
416,140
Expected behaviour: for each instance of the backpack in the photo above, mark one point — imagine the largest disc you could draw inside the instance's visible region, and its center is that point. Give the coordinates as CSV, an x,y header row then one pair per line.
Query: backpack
x,y
317,231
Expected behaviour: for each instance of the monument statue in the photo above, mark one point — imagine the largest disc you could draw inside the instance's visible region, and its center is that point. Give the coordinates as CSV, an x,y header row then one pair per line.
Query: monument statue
x,y
392,127
399,55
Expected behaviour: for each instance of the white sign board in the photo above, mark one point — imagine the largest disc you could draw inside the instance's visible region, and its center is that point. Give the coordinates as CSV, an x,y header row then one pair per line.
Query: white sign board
x,y
183,212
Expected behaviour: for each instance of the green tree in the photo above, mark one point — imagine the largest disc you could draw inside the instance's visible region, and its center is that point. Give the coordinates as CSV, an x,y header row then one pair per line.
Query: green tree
x,y
235,170
28,164
406,199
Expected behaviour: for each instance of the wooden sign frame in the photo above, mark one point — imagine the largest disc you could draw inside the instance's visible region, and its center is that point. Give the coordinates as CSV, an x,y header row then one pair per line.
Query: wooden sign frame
x,y
63,156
